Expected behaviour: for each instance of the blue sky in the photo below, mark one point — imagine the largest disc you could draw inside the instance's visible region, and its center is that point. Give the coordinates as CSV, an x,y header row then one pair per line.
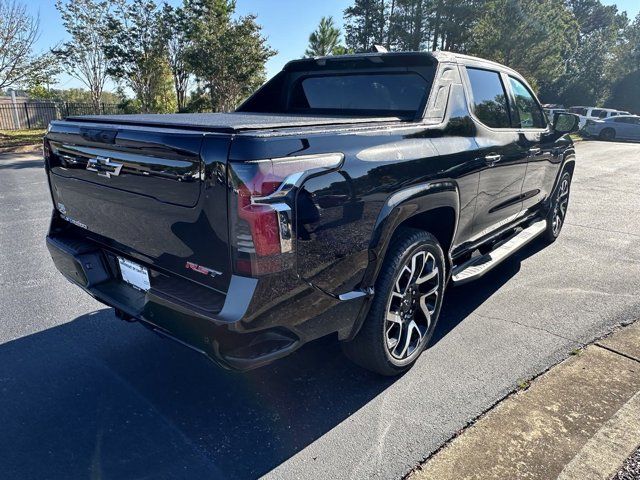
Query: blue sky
x,y
286,24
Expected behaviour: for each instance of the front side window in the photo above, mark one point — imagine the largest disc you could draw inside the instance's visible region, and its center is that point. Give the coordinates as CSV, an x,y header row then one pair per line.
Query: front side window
x,y
528,109
489,98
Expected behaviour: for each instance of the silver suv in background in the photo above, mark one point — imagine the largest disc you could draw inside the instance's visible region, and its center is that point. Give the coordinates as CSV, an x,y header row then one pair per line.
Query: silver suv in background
x,y
622,127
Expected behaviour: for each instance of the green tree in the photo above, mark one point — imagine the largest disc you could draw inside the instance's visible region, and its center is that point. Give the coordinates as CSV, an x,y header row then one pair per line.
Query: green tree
x,y
227,55
83,56
531,36
408,25
135,49
626,71
451,23
79,95
325,40
163,99
18,34
365,24
174,32
40,92
589,72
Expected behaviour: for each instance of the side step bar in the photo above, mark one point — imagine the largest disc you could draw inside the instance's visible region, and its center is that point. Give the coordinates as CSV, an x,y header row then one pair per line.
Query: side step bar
x,y
478,266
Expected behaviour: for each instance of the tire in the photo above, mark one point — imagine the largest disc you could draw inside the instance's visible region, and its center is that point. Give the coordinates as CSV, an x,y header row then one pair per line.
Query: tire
x,y
398,327
607,134
558,208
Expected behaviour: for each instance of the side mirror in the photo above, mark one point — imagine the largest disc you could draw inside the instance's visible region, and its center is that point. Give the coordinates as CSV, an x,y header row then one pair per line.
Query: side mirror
x,y
564,123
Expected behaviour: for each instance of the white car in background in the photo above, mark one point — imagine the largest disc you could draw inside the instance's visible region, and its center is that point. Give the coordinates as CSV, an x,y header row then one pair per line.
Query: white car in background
x,y
594,113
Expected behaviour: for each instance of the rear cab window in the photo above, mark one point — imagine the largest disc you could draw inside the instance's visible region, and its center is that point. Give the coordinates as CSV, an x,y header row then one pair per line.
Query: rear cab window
x,y
394,93
375,86
490,103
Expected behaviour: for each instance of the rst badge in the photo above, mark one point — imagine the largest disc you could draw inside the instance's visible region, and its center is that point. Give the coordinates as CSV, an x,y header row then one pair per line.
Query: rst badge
x,y
200,269
104,166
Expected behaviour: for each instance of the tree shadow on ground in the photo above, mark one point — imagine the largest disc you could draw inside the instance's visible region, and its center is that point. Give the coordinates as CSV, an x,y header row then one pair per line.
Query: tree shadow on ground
x,y
19,165
99,398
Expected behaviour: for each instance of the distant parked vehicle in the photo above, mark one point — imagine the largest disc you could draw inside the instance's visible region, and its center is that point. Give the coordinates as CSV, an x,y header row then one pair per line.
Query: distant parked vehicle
x,y
594,113
623,127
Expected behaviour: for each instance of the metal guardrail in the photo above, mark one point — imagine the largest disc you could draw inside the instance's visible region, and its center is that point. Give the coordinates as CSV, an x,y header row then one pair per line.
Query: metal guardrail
x,y
35,115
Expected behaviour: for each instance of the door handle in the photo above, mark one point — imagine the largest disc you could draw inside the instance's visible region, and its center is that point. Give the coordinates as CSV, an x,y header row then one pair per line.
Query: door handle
x,y
534,151
492,159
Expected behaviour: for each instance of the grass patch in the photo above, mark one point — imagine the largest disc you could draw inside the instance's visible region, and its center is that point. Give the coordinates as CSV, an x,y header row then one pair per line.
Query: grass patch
x,y
18,138
576,137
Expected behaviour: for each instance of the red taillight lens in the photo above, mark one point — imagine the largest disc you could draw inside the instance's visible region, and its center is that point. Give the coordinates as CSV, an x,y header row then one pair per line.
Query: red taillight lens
x,y
261,205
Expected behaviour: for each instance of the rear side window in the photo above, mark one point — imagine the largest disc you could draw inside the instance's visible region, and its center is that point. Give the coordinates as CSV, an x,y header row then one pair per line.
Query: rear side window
x,y
578,110
489,98
598,113
401,94
630,120
529,111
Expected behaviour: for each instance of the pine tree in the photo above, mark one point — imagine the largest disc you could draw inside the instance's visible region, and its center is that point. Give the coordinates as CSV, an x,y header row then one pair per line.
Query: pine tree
x,y
365,23
324,40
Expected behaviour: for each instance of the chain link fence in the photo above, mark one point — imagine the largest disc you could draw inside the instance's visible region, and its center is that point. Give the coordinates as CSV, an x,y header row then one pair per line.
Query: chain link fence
x,y
30,115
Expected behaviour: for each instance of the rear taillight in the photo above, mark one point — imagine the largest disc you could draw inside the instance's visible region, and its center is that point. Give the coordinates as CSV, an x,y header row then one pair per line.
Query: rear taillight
x,y
261,206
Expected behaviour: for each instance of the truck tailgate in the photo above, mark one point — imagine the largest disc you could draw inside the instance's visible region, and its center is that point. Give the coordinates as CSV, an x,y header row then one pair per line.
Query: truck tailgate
x,y
141,192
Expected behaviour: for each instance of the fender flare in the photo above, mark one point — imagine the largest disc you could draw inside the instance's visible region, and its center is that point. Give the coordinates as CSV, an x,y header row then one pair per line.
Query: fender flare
x,y
569,158
399,207
403,205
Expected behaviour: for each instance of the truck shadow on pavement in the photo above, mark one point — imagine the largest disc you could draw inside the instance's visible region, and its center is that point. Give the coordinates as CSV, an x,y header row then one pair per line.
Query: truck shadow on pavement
x,y
99,398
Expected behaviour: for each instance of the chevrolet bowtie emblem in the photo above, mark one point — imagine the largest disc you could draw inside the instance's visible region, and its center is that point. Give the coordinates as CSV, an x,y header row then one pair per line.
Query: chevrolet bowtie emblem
x,y
104,166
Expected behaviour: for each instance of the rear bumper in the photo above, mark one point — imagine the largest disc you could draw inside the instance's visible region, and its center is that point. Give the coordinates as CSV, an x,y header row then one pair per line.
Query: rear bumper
x,y
201,318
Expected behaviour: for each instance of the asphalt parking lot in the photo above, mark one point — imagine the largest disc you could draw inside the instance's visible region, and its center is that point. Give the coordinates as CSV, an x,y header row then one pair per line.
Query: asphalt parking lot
x,y
84,395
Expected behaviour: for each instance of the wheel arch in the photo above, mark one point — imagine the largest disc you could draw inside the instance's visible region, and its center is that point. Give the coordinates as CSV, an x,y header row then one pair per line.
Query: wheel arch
x,y
419,206
568,164
433,207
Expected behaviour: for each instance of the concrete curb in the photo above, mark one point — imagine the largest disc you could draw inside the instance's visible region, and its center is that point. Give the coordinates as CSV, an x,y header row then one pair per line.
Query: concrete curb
x,y
603,454
580,419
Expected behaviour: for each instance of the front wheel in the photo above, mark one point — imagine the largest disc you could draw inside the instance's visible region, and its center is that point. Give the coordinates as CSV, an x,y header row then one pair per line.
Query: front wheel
x,y
608,134
558,209
405,307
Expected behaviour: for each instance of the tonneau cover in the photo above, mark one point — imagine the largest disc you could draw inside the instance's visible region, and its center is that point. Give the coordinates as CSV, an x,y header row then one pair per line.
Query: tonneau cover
x,y
227,122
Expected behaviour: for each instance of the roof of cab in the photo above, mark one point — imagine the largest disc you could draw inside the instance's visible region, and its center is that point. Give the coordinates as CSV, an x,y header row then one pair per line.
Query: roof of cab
x,y
394,59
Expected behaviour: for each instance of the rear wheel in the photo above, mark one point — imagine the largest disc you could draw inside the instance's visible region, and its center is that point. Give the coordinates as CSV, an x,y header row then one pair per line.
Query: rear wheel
x,y
405,307
607,134
558,210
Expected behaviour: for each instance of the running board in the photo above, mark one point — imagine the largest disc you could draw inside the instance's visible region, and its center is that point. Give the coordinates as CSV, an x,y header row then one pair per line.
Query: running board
x,y
478,266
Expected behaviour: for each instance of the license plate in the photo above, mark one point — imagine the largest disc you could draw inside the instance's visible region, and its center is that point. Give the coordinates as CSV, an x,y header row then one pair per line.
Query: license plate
x,y
134,274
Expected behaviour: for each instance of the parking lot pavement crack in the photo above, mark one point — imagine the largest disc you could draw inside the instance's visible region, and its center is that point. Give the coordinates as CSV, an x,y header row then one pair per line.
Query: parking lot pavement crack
x,y
532,327
618,352
591,227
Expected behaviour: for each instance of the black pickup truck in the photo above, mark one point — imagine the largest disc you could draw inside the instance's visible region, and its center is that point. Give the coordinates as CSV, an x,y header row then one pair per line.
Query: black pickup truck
x,y
341,198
